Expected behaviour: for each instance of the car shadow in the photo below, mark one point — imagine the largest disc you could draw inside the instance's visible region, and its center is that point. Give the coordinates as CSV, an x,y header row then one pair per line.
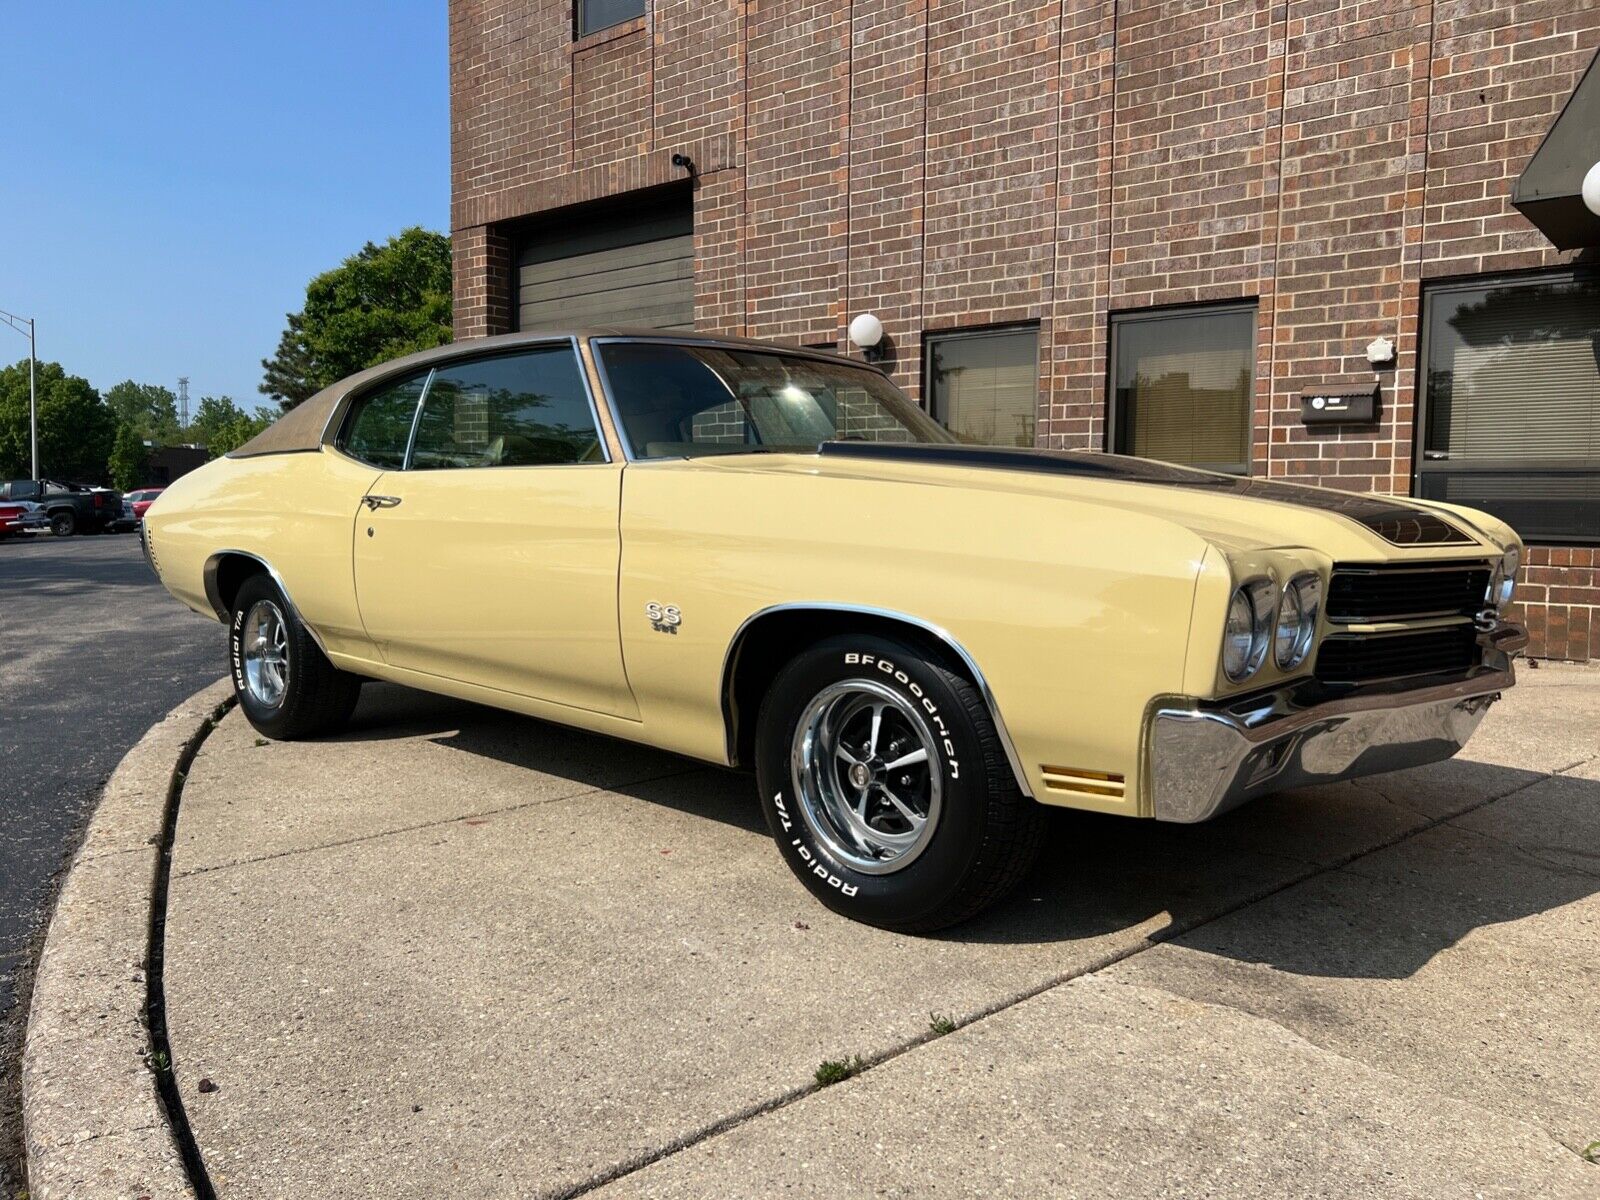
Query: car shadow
x,y
1099,875
1379,901
388,712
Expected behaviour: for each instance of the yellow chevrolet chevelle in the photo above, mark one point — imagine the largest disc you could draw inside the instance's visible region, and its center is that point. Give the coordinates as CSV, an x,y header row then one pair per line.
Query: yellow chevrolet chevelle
x,y
757,555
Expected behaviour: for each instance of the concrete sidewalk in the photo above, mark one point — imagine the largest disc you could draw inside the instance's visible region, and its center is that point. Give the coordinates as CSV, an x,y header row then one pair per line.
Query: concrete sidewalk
x,y
461,953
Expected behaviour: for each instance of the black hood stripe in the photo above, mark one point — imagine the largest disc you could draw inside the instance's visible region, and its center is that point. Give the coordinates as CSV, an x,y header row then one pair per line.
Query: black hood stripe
x,y
1397,523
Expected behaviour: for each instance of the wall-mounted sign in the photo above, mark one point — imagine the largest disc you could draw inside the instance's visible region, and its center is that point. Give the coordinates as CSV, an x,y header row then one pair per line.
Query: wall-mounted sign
x,y
1331,408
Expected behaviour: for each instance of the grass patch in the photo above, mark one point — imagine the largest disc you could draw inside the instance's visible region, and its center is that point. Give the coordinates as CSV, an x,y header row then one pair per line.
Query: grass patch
x,y
941,1024
1591,1152
837,1070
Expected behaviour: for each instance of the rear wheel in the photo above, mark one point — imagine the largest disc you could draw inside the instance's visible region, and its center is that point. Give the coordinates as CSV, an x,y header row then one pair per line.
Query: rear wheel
x,y
285,684
886,786
64,523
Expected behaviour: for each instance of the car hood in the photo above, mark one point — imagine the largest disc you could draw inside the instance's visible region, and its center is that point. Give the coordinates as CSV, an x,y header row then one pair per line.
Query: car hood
x,y
1236,514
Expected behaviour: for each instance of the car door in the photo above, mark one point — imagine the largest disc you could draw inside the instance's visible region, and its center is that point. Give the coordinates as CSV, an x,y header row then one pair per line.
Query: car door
x,y
492,556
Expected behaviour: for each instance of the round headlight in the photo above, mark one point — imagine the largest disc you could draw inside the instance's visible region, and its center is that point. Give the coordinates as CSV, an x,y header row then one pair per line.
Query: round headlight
x,y
1297,620
1236,641
1249,630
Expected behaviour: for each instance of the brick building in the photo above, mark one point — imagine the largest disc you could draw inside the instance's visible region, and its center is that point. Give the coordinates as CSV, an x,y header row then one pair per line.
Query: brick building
x,y
1155,228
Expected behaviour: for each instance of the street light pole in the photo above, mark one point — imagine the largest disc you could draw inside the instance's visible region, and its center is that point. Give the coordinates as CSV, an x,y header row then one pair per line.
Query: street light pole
x,y
33,400
16,323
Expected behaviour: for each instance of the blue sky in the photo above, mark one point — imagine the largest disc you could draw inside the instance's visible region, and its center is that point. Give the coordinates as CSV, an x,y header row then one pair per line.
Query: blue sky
x,y
175,173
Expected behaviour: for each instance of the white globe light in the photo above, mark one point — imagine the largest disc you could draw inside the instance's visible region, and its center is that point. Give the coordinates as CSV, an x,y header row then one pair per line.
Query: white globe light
x,y
866,331
1591,192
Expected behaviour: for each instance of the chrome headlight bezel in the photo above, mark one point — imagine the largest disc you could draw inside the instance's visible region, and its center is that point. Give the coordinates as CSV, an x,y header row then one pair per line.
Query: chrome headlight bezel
x,y
1503,581
1292,643
1254,599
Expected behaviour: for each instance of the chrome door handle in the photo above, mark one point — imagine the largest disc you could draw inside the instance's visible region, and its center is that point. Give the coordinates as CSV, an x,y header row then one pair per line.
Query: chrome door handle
x,y
374,503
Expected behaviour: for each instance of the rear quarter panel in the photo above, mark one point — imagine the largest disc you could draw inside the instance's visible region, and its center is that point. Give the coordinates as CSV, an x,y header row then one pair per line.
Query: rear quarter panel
x,y
1077,615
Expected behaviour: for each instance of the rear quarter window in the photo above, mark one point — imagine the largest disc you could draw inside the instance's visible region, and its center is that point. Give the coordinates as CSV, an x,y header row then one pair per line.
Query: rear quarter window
x,y
378,427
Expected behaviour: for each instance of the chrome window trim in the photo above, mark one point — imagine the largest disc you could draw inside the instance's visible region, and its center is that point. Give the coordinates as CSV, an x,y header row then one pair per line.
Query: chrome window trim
x,y
416,420
466,352
709,343
730,661
209,575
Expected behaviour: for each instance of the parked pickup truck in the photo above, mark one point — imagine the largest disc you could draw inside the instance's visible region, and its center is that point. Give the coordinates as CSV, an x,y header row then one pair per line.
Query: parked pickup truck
x,y
71,507
21,516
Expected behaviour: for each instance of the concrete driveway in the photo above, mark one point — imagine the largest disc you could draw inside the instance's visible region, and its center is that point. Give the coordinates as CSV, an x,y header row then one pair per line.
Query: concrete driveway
x,y
456,952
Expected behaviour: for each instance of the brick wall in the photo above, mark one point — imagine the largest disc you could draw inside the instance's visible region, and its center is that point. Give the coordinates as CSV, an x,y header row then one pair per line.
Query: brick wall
x,y
959,163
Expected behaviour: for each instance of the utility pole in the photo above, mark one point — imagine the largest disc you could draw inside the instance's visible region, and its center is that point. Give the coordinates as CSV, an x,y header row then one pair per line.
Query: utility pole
x,y
183,403
17,323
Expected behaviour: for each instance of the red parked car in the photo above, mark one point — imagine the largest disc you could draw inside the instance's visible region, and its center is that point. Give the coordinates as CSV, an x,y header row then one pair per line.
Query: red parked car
x,y
22,516
142,499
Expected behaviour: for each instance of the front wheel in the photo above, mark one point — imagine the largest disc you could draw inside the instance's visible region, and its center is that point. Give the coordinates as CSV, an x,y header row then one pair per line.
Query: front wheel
x,y
285,684
886,787
64,523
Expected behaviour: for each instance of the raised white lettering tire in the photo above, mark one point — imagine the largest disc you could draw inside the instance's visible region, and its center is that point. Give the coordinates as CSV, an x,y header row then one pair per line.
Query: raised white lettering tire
x,y
285,684
886,787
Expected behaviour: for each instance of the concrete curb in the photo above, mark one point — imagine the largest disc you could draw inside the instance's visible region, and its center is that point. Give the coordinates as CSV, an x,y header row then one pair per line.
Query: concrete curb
x,y
93,1121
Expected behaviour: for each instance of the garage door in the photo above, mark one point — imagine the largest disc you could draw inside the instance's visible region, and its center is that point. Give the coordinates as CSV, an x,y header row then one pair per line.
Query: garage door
x,y
628,266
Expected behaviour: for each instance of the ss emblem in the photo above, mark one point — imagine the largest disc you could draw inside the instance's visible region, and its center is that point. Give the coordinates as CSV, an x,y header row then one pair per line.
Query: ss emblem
x,y
664,618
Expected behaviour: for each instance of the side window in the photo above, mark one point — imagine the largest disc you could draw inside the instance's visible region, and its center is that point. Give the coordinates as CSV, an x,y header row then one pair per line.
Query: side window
x,y
513,410
379,425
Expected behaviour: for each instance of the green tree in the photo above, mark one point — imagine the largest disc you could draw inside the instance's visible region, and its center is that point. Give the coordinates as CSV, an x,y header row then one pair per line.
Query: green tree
x,y
130,460
237,432
76,429
380,303
222,426
151,409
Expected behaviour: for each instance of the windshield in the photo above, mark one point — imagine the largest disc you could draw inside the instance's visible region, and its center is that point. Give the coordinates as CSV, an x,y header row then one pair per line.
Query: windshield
x,y
678,401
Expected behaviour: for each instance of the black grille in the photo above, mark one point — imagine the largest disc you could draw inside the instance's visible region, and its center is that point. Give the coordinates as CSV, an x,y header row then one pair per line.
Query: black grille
x,y
1358,595
1347,658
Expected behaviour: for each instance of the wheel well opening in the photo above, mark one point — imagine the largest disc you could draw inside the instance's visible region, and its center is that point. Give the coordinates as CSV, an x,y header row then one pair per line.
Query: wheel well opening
x,y
225,575
771,641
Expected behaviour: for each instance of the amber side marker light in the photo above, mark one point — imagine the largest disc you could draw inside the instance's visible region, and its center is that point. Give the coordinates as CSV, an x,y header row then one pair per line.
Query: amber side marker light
x,y
1088,783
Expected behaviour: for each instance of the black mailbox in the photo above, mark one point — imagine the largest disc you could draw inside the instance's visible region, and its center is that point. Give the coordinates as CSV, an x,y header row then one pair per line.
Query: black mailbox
x,y
1332,408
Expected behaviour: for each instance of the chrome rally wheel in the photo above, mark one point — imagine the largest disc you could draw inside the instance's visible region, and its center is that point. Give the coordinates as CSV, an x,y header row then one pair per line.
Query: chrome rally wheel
x,y
265,647
886,786
286,686
863,767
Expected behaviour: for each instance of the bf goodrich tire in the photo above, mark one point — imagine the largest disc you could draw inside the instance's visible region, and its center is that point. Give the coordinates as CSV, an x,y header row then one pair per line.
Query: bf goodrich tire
x,y
286,686
886,787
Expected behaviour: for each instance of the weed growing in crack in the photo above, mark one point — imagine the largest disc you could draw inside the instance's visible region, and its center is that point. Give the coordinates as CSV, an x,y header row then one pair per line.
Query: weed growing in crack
x,y
837,1070
941,1024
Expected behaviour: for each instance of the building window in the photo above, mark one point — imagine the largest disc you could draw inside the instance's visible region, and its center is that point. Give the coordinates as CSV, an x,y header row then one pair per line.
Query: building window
x,y
1183,385
983,385
1511,402
594,15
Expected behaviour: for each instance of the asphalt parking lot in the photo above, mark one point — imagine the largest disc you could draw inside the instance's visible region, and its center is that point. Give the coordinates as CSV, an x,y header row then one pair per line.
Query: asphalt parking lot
x,y
456,952
92,651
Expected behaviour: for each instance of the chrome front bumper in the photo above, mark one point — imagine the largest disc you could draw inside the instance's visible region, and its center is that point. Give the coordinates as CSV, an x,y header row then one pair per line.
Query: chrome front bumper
x,y
1205,757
